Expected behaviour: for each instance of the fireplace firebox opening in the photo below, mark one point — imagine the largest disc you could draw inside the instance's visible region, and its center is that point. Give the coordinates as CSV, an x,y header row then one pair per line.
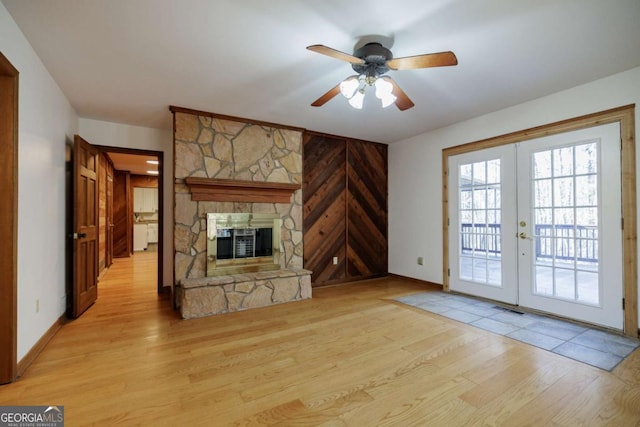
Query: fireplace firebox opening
x,y
242,243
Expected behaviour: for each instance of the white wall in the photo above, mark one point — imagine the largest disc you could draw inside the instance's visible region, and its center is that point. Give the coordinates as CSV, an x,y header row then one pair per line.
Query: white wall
x,y
120,135
46,122
415,165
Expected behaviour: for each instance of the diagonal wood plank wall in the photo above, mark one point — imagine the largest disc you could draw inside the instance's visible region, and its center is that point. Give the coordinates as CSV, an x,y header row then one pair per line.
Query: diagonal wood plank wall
x,y
324,205
345,208
366,209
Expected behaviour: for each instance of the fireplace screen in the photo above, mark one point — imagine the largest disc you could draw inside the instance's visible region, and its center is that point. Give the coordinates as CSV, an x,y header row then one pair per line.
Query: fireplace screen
x,y
242,242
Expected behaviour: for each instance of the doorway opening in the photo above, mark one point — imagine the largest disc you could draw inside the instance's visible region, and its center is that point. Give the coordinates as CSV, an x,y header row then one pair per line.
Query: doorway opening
x,y
131,206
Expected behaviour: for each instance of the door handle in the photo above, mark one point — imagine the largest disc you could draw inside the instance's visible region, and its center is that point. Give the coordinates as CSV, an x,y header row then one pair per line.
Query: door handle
x,y
524,236
77,236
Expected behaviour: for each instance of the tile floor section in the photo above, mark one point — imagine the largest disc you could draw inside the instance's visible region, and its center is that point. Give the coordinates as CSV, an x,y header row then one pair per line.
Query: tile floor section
x,y
598,348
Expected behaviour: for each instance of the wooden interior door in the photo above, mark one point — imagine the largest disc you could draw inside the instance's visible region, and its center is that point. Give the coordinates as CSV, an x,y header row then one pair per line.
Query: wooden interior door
x,y
109,218
8,220
85,225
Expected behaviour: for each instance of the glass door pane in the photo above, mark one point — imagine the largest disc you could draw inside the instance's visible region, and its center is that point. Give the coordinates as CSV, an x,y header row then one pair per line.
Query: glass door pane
x,y
479,192
565,212
482,246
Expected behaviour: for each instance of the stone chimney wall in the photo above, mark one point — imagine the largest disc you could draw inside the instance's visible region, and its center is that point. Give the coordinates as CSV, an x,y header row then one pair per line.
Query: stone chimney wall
x,y
208,147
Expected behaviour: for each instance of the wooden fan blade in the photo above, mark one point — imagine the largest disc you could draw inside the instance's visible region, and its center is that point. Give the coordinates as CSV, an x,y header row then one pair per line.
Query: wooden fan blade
x,y
402,102
441,59
327,96
335,54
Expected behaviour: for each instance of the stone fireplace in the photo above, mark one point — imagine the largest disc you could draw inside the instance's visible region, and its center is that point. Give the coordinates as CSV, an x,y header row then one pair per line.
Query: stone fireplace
x,y
253,172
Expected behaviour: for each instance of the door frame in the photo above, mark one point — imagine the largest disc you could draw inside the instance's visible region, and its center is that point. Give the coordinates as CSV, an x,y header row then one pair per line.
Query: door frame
x,y
8,220
160,155
625,116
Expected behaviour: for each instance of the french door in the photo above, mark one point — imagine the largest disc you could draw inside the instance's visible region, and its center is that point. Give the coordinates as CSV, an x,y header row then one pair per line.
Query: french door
x,y
538,224
483,250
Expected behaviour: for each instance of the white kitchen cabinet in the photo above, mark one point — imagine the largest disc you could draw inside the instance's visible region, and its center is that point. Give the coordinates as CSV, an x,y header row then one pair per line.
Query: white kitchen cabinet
x,y
140,237
138,199
150,203
145,199
152,233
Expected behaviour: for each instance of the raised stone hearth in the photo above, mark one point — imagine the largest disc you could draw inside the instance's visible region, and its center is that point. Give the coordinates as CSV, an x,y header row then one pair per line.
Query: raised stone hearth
x,y
223,294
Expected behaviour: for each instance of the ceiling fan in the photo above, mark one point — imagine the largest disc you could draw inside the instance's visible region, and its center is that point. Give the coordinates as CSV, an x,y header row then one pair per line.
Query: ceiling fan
x,y
371,62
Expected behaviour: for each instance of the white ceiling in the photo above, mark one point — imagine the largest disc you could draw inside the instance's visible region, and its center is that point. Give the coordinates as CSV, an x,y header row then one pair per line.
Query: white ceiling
x,y
134,163
127,61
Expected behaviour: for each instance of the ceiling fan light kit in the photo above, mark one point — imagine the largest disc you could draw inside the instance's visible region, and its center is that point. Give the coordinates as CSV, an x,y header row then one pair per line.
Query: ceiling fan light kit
x,y
357,100
370,62
353,88
349,86
384,92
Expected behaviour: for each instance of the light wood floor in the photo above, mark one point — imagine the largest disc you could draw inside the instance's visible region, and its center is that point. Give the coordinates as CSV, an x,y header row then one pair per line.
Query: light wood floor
x,y
350,356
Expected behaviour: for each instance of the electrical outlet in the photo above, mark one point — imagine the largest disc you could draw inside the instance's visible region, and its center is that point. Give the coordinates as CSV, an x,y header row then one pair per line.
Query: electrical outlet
x,y
335,260
38,305
420,260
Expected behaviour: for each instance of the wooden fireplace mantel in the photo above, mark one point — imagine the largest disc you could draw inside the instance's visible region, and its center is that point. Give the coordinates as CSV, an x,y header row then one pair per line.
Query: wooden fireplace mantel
x,y
229,190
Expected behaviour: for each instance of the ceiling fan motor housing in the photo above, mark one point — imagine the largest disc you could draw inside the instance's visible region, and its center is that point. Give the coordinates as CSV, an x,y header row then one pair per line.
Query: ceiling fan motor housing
x,y
375,57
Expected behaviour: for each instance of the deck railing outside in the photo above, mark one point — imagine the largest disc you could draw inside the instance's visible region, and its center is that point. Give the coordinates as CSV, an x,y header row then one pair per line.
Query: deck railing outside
x,y
568,242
